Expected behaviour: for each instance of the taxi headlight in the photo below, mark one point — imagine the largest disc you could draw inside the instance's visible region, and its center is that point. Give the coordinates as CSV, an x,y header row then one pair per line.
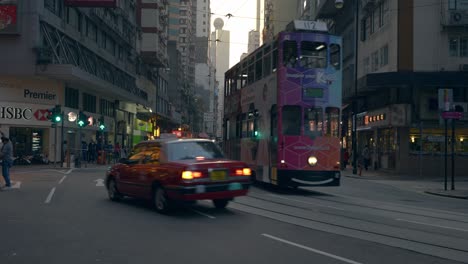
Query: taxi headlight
x,y
312,161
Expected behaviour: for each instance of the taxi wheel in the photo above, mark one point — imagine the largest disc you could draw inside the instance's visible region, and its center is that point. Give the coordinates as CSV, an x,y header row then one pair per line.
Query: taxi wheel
x,y
112,191
160,200
220,203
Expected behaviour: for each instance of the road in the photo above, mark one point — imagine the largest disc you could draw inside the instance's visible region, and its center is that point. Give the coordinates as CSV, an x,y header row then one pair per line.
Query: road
x,y
64,216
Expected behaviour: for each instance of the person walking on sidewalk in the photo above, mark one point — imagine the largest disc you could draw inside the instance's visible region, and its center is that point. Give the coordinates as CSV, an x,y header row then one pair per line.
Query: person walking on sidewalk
x,y
6,154
366,157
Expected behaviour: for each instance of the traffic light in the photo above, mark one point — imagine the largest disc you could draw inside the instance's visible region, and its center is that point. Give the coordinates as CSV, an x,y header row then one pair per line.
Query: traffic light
x,y
50,114
82,120
102,125
57,114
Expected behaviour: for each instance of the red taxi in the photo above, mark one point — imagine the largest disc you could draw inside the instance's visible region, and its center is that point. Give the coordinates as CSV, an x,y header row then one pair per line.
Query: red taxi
x,y
165,171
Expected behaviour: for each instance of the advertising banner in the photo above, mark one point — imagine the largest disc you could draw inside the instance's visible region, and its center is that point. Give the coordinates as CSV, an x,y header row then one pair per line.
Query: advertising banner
x,y
91,3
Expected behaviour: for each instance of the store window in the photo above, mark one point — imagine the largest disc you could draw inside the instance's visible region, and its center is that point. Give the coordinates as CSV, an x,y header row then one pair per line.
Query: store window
x,y
29,141
432,142
72,97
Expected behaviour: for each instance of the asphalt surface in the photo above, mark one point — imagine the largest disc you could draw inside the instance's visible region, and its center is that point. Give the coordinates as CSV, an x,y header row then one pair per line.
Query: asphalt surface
x,y
64,216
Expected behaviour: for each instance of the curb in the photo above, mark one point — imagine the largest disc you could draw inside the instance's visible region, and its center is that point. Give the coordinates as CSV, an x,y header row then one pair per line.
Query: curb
x,y
457,196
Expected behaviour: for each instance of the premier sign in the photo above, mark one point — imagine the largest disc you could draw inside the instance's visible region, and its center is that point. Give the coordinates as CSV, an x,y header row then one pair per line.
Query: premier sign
x,y
91,3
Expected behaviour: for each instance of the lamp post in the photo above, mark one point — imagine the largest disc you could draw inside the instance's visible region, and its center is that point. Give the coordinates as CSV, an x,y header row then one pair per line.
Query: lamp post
x,y
338,5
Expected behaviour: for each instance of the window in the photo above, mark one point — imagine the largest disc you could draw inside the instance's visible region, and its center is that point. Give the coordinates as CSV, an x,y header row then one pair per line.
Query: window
x,y
192,150
453,46
335,56
291,120
313,54
313,122
375,61
289,53
332,125
145,153
384,55
464,47
72,98
452,4
89,103
106,108
366,65
91,30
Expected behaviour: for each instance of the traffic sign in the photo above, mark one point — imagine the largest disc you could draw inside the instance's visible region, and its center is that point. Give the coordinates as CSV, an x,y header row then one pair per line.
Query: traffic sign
x,y
452,115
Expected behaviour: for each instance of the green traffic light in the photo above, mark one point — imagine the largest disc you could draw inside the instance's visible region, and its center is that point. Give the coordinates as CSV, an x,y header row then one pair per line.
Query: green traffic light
x,y
58,119
102,127
256,133
81,123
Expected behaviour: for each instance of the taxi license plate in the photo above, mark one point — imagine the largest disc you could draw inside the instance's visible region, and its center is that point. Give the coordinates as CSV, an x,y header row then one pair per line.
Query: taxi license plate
x,y
218,175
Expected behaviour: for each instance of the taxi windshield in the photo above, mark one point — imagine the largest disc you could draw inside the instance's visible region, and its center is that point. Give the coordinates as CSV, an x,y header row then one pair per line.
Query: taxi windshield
x,y
193,149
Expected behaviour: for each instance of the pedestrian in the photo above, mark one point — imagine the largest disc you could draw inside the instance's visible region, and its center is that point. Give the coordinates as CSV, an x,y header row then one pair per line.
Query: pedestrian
x,y
345,158
366,157
6,155
116,152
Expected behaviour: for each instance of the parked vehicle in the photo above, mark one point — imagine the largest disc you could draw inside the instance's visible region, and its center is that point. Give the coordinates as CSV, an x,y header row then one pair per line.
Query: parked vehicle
x,y
166,171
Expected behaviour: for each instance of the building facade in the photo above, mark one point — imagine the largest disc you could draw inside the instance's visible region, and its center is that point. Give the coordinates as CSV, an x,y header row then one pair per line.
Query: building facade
x,y
83,59
407,52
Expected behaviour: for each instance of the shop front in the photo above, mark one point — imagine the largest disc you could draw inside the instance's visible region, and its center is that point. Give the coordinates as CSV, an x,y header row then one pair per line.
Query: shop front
x,y
382,131
24,108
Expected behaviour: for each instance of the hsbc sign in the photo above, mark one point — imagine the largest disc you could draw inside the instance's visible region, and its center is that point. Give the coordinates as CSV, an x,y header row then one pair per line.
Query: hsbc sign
x,y
24,114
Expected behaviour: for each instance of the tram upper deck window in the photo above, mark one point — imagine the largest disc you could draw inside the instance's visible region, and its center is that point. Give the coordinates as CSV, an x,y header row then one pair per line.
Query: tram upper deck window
x,y
290,53
313,54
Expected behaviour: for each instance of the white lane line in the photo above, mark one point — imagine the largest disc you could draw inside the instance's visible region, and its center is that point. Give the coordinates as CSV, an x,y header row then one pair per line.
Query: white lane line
x,y
49,197
99,182
299,201
312,249
200,213
421,223
63,178
69,171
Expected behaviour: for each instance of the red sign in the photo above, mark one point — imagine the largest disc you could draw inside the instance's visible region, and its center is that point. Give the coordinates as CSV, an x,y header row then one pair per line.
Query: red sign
x,y
452,115
91,3
8,17
42,114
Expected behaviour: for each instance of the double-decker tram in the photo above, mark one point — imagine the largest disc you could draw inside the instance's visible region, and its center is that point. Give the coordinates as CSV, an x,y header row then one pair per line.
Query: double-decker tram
x,y
282,108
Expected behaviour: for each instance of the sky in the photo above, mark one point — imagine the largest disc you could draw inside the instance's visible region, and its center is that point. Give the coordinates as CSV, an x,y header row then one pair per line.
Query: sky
x,y
243,20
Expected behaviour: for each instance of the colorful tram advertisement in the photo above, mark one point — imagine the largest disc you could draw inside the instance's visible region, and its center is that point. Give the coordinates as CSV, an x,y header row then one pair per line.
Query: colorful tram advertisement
x,y
282,108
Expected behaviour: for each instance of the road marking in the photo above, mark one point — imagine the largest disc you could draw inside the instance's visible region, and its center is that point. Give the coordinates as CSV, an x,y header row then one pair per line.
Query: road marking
x,y
69,171
99,182
312,249
421,223
49,197
294,200
207,215
63,178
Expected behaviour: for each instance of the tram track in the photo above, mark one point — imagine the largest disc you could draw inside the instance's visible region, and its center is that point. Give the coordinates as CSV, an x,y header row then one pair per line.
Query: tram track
x,y
396,240
408,212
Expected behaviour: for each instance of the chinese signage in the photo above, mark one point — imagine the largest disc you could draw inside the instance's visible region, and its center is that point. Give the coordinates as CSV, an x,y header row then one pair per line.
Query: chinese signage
x,y
91,3
8,16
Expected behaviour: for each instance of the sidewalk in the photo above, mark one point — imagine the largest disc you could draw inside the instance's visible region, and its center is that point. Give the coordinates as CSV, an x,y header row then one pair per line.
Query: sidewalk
x,y
429,185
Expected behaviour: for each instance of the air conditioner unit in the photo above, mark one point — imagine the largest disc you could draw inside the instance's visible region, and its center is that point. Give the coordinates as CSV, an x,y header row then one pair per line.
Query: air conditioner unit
x,y
463,67
459,18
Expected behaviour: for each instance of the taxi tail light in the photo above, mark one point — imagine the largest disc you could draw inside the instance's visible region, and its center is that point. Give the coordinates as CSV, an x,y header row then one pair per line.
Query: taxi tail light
x,y
190,175
243,172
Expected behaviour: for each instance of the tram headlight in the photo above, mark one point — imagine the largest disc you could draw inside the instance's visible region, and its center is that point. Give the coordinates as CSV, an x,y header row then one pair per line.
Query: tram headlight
x,y
312,161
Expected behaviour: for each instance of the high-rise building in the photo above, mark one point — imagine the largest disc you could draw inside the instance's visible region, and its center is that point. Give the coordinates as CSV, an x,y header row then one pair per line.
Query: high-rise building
x,y
253,41
204,70
220,40
407,51
277,14
85,60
